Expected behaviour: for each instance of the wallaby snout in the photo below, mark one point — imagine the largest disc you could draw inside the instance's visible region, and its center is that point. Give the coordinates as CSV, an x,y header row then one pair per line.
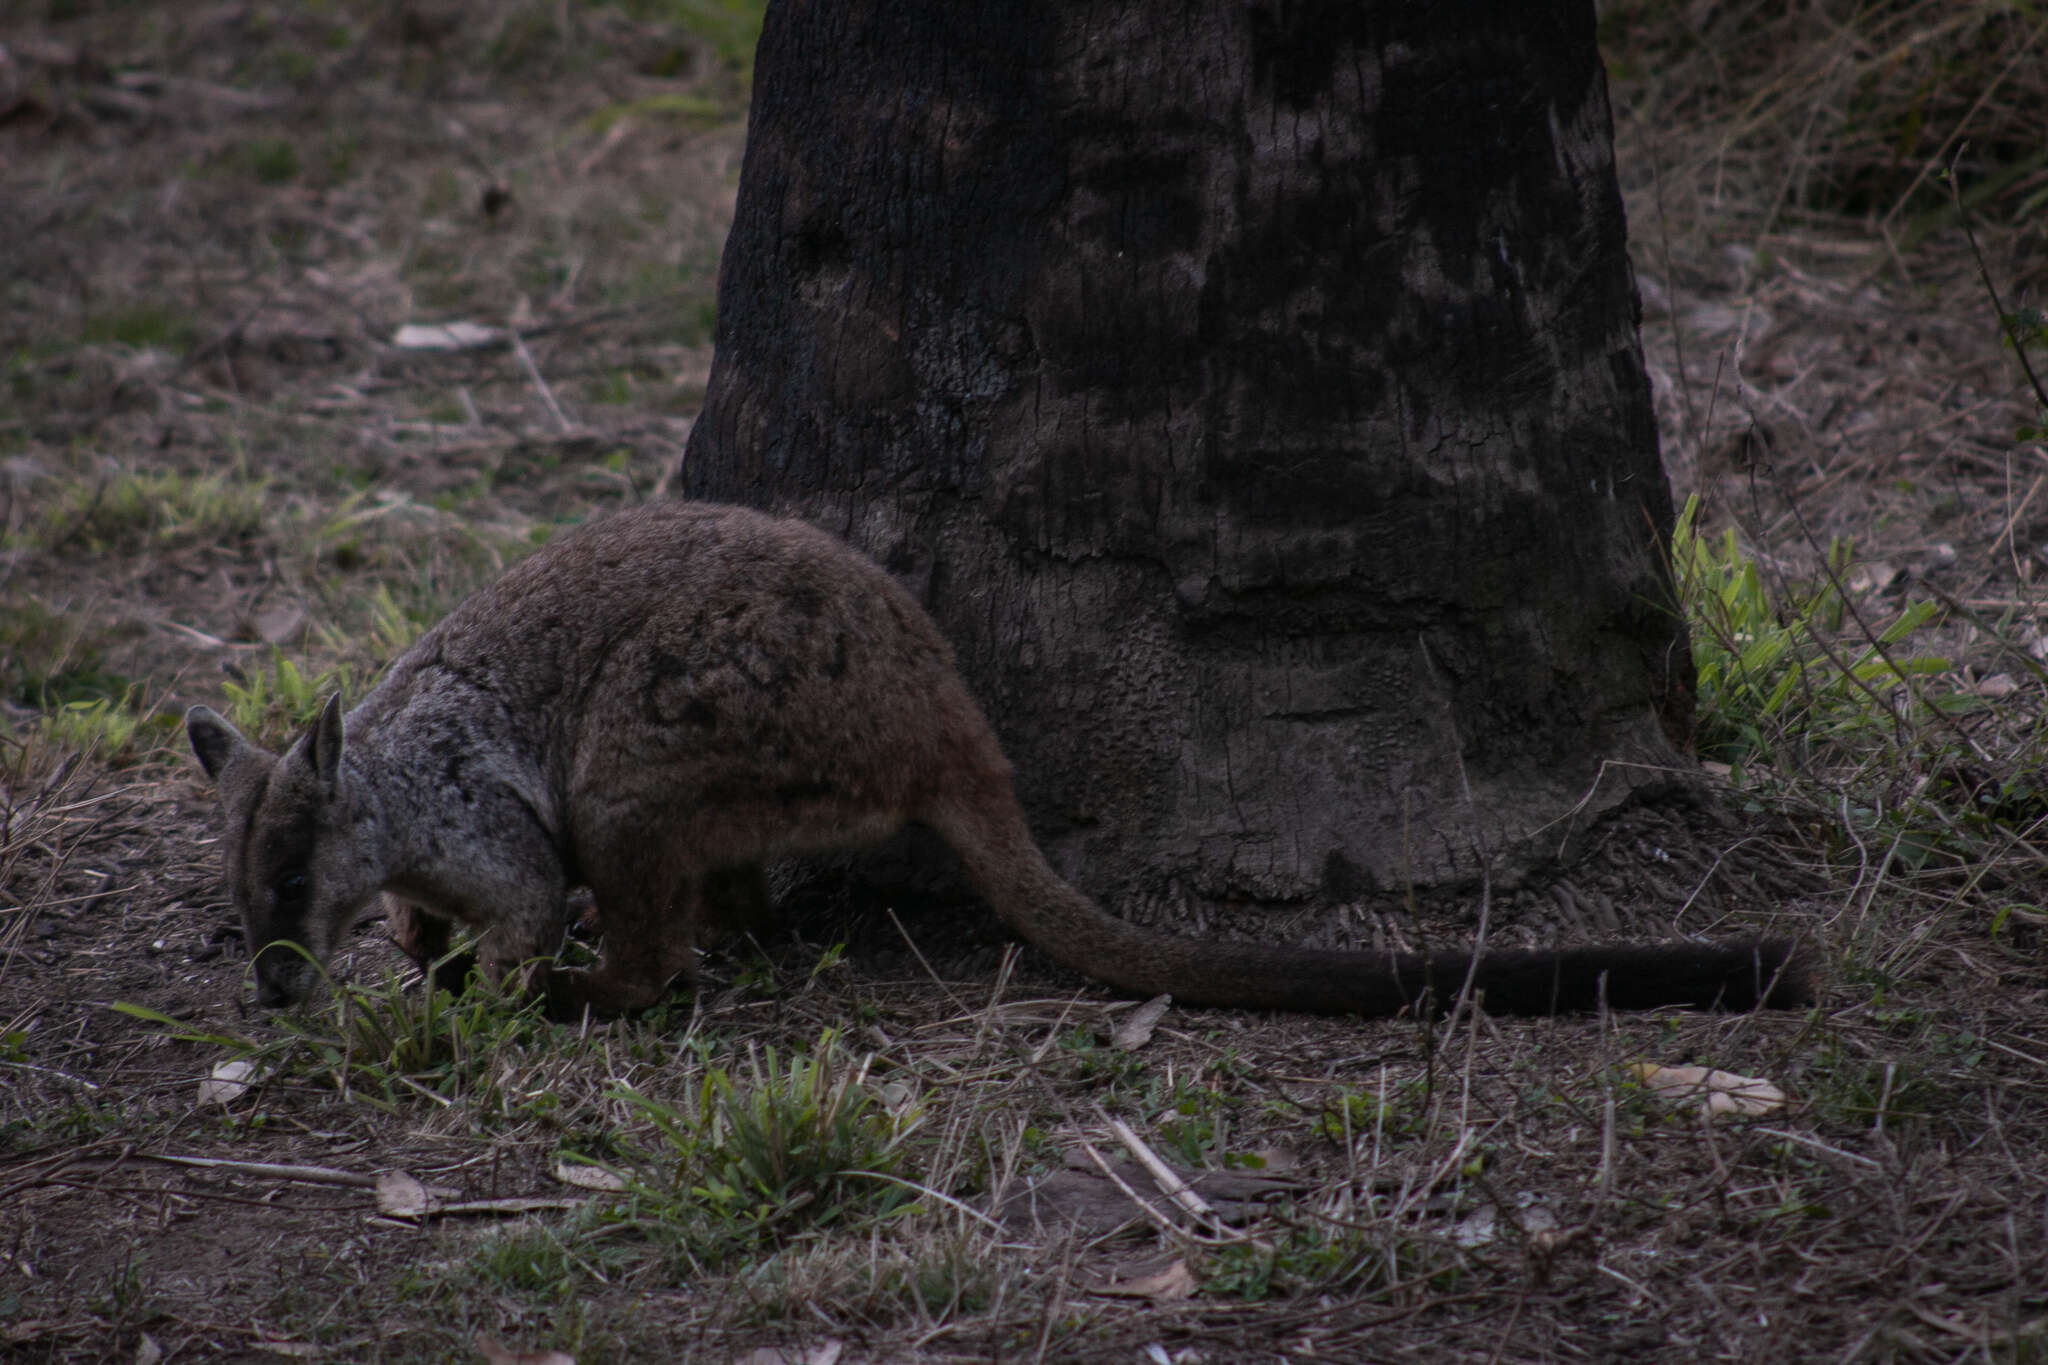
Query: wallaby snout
x,y
277,982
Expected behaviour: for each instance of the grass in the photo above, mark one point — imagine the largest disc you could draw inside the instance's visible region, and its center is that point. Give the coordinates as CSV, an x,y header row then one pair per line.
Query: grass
x,y
127,509
730,28
819,1157
393,1046
141,326
778,1146
1779,676
535,1262
396,1044
1824,705
1822,110
51,657
114,732
271,706
269,161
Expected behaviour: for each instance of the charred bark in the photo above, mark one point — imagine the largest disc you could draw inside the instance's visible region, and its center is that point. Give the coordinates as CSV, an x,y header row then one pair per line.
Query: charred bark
x,y
1254,396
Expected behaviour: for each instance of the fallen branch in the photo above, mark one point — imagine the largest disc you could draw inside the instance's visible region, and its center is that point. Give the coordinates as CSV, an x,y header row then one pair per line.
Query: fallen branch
x,y
312,1175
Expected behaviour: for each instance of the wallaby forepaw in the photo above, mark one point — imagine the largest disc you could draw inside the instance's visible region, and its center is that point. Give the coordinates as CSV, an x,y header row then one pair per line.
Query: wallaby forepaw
x,y
450,974
573,994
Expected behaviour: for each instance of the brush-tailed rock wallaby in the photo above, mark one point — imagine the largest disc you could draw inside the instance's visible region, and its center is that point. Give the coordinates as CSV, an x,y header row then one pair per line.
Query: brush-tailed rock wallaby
x,y
681,692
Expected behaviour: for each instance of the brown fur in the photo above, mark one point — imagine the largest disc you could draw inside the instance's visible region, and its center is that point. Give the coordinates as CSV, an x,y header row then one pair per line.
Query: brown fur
x,y
657,700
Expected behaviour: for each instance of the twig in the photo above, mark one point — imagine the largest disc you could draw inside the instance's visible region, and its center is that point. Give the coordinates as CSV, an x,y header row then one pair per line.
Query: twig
x,y
313,1175
500,1208
1158,1219
1817,1145
2013,521
1983,98
49,1071
928,1192
547,395
2005,319
918,953
1873,637
1169,1183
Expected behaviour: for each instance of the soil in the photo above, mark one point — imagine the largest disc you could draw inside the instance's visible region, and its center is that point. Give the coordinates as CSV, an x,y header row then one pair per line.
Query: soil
x,y
218,218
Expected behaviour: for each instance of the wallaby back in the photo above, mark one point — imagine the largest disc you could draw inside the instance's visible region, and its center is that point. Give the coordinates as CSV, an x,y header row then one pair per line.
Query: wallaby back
x,y
681,690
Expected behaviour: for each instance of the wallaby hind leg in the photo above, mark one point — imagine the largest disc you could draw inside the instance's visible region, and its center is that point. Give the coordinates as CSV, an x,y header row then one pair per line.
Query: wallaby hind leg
x,y
519,946
736,904
649,926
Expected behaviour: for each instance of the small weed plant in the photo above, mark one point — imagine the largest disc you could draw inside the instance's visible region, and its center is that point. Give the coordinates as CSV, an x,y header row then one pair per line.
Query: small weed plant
x,y
2026,331
117,732
387,630
773,1147
395,1043
1315,1257
139,509
1777,673
271,706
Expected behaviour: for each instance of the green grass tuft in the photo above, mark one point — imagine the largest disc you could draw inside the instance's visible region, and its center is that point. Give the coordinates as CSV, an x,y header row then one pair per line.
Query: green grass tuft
x,y
116,731
1778,674
399,1043
270,707
768,1149
142,326
134,510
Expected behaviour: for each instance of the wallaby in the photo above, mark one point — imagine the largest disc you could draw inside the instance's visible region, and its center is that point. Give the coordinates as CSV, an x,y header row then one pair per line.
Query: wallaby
x,y
680,693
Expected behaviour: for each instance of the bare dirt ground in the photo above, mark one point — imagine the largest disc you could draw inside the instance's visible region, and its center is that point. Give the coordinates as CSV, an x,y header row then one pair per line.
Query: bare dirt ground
x,y
226,476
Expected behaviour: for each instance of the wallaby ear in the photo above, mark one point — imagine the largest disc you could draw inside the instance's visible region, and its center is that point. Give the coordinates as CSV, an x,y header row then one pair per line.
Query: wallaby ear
x,y
324,741
216,742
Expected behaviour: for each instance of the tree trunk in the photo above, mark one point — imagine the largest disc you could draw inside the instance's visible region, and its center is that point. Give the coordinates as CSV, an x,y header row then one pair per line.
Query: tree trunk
x,y
1251,392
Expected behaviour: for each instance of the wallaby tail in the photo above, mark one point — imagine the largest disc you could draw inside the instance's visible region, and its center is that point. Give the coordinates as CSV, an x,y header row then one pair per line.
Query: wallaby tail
x,y
1010,870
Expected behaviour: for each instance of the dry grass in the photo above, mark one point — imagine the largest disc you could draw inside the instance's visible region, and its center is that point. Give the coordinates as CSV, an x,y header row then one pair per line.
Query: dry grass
x,y
1751,118
222,480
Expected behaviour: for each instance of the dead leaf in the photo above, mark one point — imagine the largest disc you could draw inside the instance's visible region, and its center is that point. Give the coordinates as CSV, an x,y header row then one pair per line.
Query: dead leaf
x,y
280,623
147,1352
1165,1285
495,1354
1134,1030
401,1196
825,1352
1997,685
1872,577
1477,1228
1275,1161
446,336
298,1350
228,1081
1719,1093
587,1177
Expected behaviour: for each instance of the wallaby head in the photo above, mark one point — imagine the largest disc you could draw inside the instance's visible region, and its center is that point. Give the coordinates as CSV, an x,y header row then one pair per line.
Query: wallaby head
x,y
298,845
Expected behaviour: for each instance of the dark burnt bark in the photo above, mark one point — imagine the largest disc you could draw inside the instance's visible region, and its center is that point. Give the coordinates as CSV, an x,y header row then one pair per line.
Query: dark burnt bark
x,y
1253,395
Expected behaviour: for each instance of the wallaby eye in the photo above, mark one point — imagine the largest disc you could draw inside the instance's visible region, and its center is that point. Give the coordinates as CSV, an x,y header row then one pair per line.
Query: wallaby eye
x,y
290,888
